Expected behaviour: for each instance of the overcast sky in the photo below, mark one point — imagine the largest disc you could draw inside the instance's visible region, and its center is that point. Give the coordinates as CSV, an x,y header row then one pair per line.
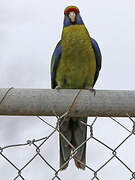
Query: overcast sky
x,y
29,32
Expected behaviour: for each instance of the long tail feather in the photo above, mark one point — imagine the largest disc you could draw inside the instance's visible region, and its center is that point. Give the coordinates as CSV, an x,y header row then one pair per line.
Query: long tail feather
x,y
75,132
65,150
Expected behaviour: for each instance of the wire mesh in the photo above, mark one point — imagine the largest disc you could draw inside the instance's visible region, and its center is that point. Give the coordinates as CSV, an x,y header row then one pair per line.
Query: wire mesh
x,y
91,126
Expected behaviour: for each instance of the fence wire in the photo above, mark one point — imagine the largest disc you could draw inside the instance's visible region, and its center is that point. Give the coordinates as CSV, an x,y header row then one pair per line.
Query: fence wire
x,y
38,143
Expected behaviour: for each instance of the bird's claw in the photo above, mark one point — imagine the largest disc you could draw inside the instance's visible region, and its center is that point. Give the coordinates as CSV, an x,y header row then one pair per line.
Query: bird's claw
x,y
58,87
91,89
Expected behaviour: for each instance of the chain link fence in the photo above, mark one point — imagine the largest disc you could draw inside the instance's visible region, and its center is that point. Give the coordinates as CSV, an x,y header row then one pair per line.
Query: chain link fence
x,y
37,145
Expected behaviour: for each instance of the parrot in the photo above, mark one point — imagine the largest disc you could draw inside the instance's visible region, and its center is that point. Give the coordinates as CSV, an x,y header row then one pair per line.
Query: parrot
x,y
75,64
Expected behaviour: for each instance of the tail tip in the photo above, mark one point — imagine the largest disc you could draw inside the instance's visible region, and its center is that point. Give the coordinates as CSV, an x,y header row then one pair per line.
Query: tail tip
x,y
63,167
79,165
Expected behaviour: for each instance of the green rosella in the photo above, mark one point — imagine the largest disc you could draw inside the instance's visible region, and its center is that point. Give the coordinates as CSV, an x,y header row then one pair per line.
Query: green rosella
x,y
75,64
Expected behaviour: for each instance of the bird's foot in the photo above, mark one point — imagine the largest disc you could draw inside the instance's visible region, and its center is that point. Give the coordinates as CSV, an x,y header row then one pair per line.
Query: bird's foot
x,y
58,87
91,89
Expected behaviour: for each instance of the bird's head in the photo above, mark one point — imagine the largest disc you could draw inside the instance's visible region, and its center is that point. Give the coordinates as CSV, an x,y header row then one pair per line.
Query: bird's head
x,y
72,16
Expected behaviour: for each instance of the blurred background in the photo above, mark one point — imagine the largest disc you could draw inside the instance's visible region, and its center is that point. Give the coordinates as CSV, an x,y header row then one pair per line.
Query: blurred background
x,y
29,32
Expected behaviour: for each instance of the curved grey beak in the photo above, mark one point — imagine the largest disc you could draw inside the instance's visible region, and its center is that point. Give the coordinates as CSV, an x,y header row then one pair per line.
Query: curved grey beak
x,y
72,16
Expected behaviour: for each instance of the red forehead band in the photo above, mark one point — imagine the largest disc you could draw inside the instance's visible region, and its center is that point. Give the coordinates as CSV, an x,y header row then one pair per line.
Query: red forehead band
x,y
67,11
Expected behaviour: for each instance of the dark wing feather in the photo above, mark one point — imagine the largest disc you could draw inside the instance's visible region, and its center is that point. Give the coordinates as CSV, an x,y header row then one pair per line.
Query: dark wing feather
x,y
98,58
54,64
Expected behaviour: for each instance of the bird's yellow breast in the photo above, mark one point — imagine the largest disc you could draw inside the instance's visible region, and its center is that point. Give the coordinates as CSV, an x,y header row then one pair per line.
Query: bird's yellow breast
x,y
77,65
